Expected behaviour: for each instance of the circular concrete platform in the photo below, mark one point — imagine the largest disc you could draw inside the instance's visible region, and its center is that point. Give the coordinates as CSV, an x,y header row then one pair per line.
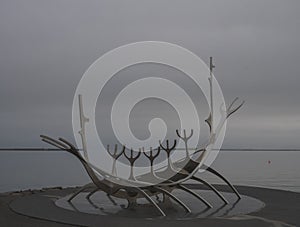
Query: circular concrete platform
x,y
101,204
281,209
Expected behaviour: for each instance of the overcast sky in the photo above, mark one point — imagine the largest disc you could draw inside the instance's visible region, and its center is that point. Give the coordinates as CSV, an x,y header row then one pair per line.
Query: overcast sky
x,y
46,46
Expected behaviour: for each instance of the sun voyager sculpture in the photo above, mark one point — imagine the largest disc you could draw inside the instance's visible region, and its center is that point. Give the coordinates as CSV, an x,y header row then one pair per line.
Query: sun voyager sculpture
x,y
171,173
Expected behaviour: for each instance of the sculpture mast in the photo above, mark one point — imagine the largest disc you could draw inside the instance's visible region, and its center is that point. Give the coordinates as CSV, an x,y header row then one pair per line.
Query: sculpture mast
x,y
211,67
83,121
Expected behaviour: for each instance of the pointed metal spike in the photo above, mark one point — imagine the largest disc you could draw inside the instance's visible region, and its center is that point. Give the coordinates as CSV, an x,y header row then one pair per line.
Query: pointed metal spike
x,y
213,171
211,187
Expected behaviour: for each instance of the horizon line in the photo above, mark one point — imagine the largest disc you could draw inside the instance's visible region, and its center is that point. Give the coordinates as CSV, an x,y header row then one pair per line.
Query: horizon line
x,y
222,149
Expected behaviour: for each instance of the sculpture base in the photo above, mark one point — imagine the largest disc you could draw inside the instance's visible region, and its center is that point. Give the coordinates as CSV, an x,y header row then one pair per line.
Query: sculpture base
x,y
49,206
101,204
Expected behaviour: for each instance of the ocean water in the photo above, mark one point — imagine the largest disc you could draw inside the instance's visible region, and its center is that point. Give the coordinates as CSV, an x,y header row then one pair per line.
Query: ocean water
x,y
21,170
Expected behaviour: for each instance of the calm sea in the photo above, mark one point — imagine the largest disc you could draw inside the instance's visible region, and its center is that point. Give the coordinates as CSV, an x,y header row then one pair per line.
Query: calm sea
x,y
21,170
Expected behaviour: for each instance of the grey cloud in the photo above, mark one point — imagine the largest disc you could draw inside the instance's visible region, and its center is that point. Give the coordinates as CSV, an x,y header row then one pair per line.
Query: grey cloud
x,y
47,45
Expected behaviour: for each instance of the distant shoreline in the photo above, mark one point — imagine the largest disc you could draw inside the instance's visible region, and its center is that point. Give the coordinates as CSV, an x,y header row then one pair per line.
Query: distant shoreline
x,y
222,149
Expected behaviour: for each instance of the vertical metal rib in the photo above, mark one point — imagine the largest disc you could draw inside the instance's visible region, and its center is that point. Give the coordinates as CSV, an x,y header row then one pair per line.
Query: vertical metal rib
x,y
174,198
211,187
209,169
151,201
194,194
